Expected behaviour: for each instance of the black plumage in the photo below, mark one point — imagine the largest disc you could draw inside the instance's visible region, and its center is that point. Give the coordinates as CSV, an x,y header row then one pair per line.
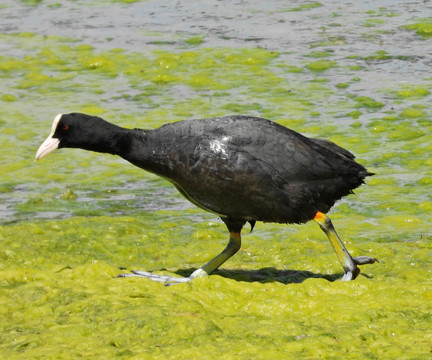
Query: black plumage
x,y
241,168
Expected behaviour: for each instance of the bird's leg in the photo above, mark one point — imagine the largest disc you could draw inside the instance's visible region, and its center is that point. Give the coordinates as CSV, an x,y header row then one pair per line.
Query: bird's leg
x,y
232,247
348,262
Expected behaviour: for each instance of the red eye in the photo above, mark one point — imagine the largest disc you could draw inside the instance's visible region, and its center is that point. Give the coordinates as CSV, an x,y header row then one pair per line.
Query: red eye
x,y
65,127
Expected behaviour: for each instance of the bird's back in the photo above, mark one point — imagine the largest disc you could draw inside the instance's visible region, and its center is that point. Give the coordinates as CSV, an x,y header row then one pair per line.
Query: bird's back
x,y
251,168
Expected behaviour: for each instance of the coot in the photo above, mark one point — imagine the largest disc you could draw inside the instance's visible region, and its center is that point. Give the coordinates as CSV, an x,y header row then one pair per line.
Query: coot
x,y
241,168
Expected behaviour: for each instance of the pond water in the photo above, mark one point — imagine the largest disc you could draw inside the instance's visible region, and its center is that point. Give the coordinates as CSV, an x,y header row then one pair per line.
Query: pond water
x,y
355,72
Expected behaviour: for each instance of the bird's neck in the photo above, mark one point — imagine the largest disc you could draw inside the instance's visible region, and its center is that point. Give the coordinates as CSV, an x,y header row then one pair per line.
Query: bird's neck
x,y
140,148
109,138
143,148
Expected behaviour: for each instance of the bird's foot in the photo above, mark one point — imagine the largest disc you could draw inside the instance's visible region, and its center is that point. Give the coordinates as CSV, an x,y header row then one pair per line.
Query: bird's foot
x,y
361,260
351,274
168,280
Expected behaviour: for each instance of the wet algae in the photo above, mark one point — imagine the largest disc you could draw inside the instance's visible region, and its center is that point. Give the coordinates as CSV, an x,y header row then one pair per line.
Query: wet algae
x,y
70,234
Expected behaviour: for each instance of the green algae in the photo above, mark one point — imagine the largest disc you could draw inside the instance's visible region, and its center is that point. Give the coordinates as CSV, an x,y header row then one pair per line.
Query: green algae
x,y
354,114
380,55
382,11
320,54
9,97
423,29
410,91
342,85
367,102
412,112
321,65
372,22
68,195
31,2
331,40
303,7
70,293
195,40
277,296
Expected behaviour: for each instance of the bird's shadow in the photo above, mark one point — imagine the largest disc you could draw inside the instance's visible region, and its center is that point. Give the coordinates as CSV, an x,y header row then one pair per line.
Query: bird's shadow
x,y
266,275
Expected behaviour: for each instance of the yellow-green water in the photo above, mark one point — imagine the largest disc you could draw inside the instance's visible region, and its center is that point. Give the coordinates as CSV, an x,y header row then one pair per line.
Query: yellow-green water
x,y
74,220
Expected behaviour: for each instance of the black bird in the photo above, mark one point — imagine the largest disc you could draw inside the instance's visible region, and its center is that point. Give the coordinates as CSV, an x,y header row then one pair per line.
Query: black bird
x,y
241,168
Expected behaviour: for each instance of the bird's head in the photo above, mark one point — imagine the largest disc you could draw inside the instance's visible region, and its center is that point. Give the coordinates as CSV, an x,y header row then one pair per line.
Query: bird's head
x,y
73,130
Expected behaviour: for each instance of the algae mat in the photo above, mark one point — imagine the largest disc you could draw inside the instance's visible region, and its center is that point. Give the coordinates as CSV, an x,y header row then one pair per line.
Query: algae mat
x,y
357,75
